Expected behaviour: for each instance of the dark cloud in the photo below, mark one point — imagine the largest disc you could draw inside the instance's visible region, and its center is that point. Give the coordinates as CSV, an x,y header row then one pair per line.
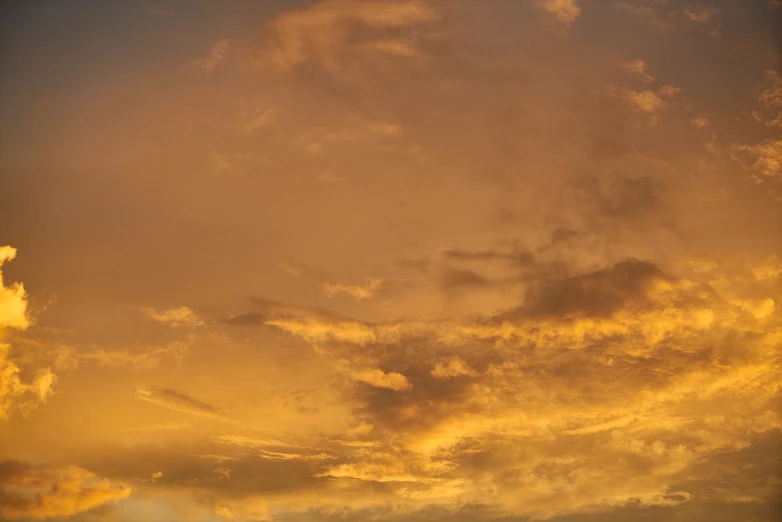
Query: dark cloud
x,y
177,400
597,294
523,258
457,279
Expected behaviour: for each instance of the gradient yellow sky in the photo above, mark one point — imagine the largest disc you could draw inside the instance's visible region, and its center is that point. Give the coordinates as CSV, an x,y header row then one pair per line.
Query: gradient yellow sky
x,y
391,260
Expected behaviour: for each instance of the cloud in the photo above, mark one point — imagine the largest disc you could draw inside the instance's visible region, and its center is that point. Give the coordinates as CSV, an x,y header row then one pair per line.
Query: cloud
x,y
312,324
178,401
563,11
356,292
669,15
253,121
647,101
763,159
160,8
13,298
520,258
15,394
174,317
299,269
616,202
380,379
223,472
770,100
166,426
456,279
503,410
144,360
29,491
275,450
699,13
700,121
157,475
597,294
325,32
668,91
208,65
454,367
638,67
768,270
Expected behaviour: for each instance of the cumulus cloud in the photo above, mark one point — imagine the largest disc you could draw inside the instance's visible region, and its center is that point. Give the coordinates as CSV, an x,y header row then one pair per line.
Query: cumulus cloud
x,y
662,340
15,394
30,491
598,379
13,298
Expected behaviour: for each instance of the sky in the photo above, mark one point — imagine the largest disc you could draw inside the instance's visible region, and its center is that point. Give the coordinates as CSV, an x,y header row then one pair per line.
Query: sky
x,y
391,260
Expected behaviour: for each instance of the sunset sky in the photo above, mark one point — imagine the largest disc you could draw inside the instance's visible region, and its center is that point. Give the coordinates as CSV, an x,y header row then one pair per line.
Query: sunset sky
x,y
391,260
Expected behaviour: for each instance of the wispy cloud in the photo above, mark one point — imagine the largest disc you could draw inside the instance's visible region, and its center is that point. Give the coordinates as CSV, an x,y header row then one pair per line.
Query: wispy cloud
x,y
174,317
208,65
160,8
178,401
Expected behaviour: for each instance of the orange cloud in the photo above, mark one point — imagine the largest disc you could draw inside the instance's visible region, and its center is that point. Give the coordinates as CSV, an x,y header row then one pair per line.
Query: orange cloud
x,y
38,492
322,32
563,11
13,314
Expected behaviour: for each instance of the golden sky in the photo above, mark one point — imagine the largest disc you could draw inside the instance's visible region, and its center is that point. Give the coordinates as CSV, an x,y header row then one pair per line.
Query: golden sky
x,y
391,260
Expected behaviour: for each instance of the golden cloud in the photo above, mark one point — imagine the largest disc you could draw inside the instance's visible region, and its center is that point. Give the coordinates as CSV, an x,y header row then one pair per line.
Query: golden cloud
x,y
13,314
31,491
174,317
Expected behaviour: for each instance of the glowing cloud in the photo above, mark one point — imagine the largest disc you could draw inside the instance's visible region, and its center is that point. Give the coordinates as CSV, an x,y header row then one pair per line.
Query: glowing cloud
x,y
38,492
